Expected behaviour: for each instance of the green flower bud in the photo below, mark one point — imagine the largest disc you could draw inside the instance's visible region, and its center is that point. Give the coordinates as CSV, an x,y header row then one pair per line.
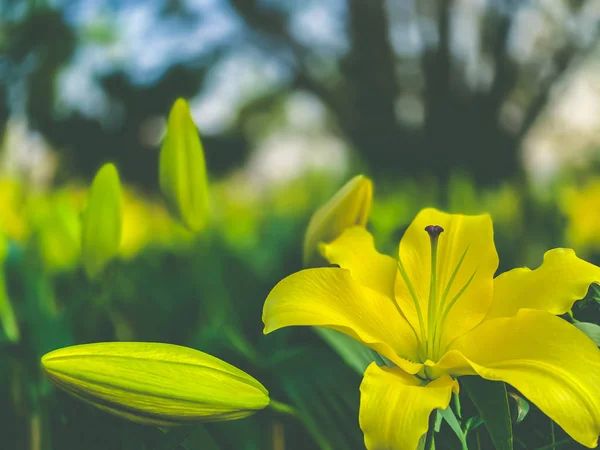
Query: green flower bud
x,y
101,221
183,179
350,206
153,383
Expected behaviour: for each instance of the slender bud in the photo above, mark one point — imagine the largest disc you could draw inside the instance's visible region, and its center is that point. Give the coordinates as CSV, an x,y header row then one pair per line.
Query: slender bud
x,y
183,179
101,221
351,205
153,383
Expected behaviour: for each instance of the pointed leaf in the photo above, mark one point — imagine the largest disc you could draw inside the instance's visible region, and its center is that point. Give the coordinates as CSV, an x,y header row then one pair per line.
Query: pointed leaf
x,y
491,400
449,416
8,320
591,330
351,351
521,407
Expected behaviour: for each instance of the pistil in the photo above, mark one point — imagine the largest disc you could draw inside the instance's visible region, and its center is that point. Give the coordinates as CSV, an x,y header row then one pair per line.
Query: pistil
x,y
434,232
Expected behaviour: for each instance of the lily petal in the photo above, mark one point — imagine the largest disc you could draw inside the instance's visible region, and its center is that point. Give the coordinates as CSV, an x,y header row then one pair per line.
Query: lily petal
x,y
552,363
466,263
355,250
561,280
395,407
330,297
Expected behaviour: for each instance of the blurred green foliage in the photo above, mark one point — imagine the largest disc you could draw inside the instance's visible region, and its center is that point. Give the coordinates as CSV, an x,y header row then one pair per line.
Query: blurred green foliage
x,y
207,293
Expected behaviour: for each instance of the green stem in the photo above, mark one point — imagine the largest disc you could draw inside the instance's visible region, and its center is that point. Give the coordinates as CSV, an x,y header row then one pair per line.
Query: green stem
x,y
283,408
456,399
429,445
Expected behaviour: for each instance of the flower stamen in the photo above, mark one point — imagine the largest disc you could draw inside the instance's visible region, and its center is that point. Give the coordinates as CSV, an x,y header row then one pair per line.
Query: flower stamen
x,y
415,300
434,232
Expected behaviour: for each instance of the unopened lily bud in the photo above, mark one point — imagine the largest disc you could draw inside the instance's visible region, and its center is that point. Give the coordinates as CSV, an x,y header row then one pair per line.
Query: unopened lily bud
x,y
153,383
350,206
183,179
101,221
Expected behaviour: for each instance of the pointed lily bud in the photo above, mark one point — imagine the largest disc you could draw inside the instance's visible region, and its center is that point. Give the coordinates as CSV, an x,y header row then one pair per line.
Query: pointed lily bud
x,y
183,179
350,206
153,383
101,221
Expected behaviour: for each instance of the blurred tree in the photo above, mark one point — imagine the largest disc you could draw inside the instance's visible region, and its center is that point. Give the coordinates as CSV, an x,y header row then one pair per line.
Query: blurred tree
x,y
415,87
461,126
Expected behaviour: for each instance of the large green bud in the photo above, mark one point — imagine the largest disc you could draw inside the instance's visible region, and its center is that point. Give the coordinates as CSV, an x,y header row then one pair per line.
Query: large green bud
x,y
153,383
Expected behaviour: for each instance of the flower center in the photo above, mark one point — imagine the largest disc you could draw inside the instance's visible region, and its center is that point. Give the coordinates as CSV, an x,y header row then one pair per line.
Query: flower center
x,y
439,302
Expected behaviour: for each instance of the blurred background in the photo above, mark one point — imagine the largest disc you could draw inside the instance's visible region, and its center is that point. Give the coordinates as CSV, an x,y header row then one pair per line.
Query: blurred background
x,y
467,105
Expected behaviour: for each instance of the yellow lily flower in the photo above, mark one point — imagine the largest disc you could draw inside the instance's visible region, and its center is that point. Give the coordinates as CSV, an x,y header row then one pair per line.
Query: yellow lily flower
x,y
437,313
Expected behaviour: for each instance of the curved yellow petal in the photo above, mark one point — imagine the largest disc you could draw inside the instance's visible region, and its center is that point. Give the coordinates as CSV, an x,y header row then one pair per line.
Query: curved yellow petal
x,y
330,297
355,250
466,262
561,280
395,407
551,362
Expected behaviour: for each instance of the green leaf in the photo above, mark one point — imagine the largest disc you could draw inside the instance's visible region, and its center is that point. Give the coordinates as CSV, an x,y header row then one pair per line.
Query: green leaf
x,y
352,352
450,418
593,294
183,179
8,320
591,330
472,423
521,407
491,400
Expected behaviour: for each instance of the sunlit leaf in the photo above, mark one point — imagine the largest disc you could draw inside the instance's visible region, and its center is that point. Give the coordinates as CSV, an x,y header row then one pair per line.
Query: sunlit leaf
x,y
450,418
591,330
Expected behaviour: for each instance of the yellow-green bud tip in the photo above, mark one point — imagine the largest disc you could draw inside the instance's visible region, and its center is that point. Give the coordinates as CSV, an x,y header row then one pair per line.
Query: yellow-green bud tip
x,y
102,220
182,172
349,206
